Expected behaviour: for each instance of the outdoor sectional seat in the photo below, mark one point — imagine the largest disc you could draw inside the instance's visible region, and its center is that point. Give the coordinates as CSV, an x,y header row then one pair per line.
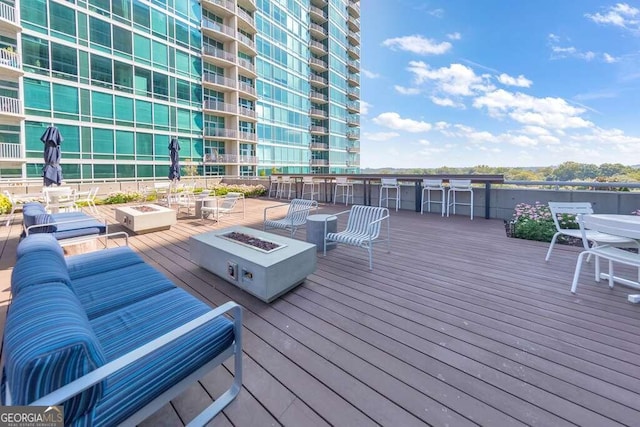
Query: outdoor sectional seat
x,y
111,316
63,225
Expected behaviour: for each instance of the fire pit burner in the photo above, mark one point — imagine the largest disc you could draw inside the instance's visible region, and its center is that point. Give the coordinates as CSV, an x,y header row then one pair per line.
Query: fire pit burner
x,y
144,208
252,241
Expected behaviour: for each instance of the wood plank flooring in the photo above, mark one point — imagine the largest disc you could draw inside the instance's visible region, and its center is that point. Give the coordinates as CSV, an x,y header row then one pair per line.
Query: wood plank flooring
x,y
458,325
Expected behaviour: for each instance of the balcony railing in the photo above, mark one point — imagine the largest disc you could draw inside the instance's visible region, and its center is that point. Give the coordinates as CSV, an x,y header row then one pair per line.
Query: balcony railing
x,y
245,87
246,64
229,158
217,79
220,28
353,37
353,149
319,146
318,29
318,79
214,105
220,132
354,9
318,129
317,112
246,111
219,53
10,151
8,13
353,106
318,95
354,52
319,162
353,134
317,45
248,136
318,62
318,13
226,4
10,105
353,121
10,59
248,18
247,41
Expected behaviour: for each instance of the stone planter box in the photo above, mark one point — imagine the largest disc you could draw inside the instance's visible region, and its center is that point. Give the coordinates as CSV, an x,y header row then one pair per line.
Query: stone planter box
x,y
139,221
264,275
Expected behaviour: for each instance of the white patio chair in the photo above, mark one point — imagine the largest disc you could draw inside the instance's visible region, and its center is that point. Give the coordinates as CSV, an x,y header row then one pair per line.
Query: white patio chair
x,y
88,198
346,189
363,229
459,186
18,200
309,182
184,199
429,185
611,252
223,206
295,218
596,238
386,185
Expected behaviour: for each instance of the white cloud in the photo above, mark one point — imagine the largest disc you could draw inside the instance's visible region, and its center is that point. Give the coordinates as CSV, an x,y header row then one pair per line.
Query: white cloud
x,y
454,36
369,74
393,120
446,102
418,44
561,52
379,136
406,90
455,80
364,107
520,81
621,15
438,13
609,59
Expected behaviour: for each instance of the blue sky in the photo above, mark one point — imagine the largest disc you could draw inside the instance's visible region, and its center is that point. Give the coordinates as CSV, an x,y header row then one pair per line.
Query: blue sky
x,y
499,82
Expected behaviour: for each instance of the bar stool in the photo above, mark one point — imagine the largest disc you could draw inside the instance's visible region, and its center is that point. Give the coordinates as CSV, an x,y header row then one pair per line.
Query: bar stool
x,y
285,181
389,184
346,189
309,181
457,186
430,185
274,183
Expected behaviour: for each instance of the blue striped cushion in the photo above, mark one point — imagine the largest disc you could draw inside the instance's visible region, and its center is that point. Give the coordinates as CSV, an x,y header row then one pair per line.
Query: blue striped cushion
x,y
37,268
29,213
89,226
100,261
42,219
48,343
108,291
38,242
139,323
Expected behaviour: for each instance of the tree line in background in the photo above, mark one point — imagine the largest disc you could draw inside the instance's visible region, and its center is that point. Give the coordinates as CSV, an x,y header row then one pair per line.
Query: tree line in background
x,y
568,171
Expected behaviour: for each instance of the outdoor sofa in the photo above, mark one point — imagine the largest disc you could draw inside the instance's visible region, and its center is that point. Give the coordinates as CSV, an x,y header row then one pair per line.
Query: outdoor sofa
x,y
64,226
108,336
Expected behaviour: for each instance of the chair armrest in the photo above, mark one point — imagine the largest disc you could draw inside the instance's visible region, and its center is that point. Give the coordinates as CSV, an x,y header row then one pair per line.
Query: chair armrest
x,y
272,207
374,222
66,392
104,220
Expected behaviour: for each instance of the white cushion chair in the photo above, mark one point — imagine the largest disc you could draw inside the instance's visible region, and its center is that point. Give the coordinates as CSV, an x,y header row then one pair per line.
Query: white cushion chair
x,y
285,187
346,189
363,229
594,237
295,218
429,185
589,225
88,198
311,187
459,186
386,185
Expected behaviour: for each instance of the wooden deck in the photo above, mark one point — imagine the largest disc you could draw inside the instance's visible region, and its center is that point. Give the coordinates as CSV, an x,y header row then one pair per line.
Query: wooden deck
x,y
459,325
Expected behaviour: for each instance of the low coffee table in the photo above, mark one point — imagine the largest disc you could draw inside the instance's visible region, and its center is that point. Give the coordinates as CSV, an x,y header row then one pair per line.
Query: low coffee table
x,y
268,271
146,218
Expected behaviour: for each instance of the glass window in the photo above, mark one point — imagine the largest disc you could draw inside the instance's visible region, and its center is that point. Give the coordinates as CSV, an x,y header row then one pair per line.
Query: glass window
x,y
83,31
142,82
32,133
71,136
100,33
141,15
161,116
101,72
160,85
63,19
37,94
182,34
64,62
123,76
144,146
65,100
100,6
183,90
142,46
122,41
144,115
34,12
125,171
124,143
160,54
159,23
103,141
124,111
35,54
103,171
102,105
122,9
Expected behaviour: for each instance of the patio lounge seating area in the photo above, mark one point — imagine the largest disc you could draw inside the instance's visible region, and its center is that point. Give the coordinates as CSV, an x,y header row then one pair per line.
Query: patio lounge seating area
x,y
457,325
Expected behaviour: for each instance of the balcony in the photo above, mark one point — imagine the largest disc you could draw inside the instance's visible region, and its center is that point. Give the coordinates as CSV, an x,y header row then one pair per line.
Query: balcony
x,y
10,108
247,89
246,22
353,66
352,149
320,3
10,63
247,112
318,32
8,19
317,15
228,158
353,23
354,52
319,146
353,38
9,151
317,48
353,120
318,81
353,134
248,67
221,82
353,93
318,97
353,107
318,130
246,44
353,8
250,5
223,108
220,7
216,132
218,56
248,136
316,112
318,64
221,32
319,162
353,79
501,328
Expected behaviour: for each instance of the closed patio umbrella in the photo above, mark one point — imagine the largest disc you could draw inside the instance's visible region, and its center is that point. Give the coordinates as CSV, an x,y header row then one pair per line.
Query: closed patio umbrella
x,y
174,155
52,172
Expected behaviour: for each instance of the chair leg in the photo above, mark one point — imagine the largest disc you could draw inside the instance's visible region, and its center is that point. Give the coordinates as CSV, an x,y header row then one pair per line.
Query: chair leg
x,y
553,242
611,274
576,273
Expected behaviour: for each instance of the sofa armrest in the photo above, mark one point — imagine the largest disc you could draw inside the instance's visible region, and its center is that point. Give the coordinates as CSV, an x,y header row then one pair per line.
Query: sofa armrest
x,y
32,228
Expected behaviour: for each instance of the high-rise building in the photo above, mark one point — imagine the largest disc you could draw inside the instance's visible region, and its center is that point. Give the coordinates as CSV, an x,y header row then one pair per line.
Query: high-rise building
x,y
247,86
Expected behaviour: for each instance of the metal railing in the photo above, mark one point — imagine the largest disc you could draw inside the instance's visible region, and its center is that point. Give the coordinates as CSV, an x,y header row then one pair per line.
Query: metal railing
x,y
220,132
215,105
245,87
8,13
583,185
318,62
218,53
220,28
245,63
247,41
217,79
245,111
10,105
10,59
227,4
10,151
244,15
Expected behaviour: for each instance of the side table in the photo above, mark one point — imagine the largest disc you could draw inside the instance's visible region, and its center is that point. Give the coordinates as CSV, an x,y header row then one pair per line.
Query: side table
x,y
316,232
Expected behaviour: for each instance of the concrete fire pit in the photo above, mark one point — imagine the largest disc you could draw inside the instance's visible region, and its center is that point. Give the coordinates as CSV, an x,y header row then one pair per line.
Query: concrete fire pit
x,y
146,218
265,265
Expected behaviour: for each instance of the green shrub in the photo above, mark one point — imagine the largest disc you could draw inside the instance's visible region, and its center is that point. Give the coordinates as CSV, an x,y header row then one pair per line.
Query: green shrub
x,y
117,198
534,222
5,205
